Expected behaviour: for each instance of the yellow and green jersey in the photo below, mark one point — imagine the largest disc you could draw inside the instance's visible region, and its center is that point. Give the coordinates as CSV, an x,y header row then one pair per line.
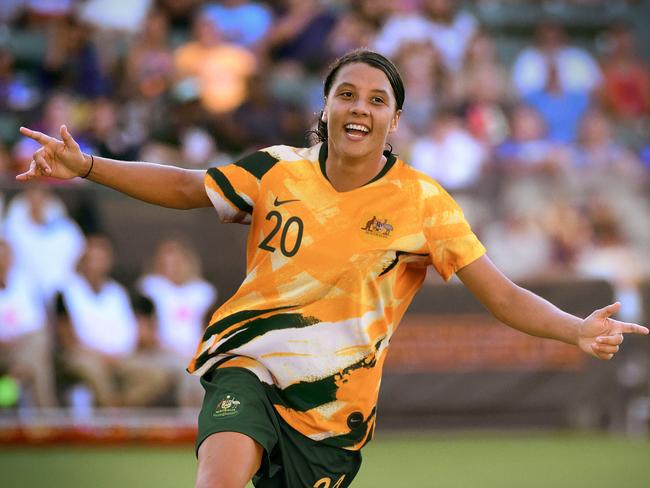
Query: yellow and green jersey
x,y
328,277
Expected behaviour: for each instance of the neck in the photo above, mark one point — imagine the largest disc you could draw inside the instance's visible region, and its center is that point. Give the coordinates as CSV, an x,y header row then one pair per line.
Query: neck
x,y
95,282
345,173
178,279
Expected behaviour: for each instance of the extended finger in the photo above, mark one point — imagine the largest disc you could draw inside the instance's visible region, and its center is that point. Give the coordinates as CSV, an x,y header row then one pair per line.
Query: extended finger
x,y
29,174
629,328
68,140
613,340
36,135
609,310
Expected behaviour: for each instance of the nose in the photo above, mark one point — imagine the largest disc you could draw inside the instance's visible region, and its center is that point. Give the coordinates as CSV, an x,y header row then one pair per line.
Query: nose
x,y
359,108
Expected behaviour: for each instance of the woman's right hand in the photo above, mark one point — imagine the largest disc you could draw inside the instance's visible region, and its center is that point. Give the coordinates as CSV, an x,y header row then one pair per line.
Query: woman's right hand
x,y
56,158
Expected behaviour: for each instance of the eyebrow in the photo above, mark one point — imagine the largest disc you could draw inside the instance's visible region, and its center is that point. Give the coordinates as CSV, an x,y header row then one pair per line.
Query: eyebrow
x,y
347,83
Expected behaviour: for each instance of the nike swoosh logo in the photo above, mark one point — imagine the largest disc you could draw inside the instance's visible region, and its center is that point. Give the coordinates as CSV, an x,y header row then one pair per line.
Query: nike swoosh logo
x,y
277,203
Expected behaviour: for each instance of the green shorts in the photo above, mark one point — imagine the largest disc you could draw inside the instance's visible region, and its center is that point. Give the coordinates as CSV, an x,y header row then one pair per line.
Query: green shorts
x,y
236,401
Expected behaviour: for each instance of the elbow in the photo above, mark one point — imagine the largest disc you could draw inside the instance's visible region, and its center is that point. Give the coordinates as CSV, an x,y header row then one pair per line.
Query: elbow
x,y
189,191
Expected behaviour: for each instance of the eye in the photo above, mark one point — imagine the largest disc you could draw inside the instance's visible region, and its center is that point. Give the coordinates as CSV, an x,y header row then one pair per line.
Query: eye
x,y
345,94
378,100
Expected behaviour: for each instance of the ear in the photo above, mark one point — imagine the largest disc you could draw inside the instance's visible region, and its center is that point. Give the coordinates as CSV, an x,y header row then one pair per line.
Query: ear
x,y
323,115
394,122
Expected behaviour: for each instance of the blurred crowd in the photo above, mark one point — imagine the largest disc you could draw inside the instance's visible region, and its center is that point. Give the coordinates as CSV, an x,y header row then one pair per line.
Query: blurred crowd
x,y
547,151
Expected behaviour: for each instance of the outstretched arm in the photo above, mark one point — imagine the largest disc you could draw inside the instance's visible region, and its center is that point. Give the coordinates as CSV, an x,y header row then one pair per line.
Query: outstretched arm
x,y
168,186
597,335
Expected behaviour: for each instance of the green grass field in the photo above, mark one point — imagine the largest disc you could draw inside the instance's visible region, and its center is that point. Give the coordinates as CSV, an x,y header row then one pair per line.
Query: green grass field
x,y
494,460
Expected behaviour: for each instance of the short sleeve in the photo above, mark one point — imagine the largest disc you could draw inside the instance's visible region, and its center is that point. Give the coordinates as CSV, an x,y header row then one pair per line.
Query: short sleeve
x,y
452,243
234,189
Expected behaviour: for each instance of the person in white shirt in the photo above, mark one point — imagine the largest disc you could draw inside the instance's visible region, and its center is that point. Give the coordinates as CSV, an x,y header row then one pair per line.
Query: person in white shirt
x,y
182,299
440,22
38,227
24,342
448,153
577,70
99,334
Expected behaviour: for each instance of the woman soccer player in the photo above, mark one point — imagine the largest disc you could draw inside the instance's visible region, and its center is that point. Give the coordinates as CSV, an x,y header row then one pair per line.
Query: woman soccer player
x,y
341,235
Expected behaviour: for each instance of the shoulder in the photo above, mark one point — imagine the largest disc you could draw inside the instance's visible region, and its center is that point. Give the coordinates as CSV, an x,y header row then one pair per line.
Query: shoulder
x,y
423,183
575,52
74,284
262,161
290,153
430,195
150,283
202,289
528,55
116,288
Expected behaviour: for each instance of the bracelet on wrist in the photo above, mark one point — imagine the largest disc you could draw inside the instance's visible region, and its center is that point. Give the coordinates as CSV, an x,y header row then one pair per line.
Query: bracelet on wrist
x,y
92,163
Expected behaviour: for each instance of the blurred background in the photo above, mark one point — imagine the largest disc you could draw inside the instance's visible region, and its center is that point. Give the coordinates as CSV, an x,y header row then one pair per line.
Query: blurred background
x,y
534,114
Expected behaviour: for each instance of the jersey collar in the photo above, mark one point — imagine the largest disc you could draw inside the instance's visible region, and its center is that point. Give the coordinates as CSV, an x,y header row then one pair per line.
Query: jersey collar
x,y
390,162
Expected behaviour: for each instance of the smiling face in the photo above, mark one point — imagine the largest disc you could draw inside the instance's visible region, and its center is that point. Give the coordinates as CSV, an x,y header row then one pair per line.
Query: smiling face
x,y
360,111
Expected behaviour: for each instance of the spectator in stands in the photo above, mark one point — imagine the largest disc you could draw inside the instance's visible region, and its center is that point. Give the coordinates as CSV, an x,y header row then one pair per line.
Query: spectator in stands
x,y
25,347
427,82
72,61
351,31
49,10
242,22
106,135
439,22
602,166
299,31
263,120
98,334
38,227
561,108
110,23
17,93
528,167
375,12
528,149
567,226
198,148
625,92
598,151
182,301
611,257
209,68
576,69
519,245
452,30
150,62
449,153
483,86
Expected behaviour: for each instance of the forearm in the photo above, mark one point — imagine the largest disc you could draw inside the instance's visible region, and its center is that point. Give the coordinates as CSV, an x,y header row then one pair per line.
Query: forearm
x,y
516,306
529,313
167,186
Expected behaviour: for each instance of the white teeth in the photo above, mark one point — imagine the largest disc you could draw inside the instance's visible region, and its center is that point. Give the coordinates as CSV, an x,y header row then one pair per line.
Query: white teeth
x,y
357,127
